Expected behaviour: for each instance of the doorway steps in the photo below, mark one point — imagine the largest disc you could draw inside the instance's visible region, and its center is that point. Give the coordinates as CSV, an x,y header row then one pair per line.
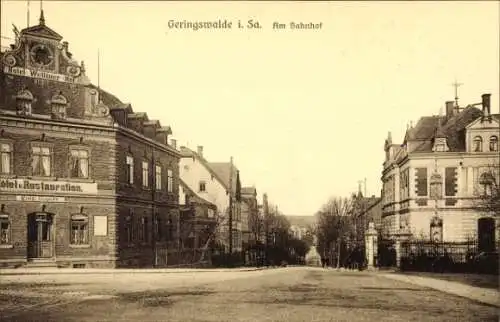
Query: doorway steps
x,y
41,263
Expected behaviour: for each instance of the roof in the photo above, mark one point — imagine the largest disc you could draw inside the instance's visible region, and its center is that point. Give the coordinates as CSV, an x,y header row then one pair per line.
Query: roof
x,y
220,170
453,128
41,30
223,170
248,191
109,99
193,196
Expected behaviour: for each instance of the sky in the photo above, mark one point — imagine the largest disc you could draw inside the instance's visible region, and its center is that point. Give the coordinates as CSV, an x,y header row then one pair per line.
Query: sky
x,y
304,113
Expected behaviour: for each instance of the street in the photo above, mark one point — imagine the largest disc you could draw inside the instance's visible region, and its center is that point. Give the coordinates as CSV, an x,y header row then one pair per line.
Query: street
x,y
284,294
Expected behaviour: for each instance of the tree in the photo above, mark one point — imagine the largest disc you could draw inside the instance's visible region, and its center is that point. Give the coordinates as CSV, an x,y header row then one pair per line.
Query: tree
x,y
212,231
255,222
335,226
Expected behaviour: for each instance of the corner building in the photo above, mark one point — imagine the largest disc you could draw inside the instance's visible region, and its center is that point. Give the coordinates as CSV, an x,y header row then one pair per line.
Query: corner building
x,y
84,180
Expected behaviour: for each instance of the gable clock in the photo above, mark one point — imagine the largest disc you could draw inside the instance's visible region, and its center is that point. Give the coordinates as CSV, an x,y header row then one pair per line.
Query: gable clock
x,y
41,55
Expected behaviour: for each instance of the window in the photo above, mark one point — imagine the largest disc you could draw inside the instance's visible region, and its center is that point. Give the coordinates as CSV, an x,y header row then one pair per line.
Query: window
x,y
5,156
79,230
145,174
41,165
158,177
130,170
170,225
4,229
450,181
158,227
144,231
24,99
404,184
494,143
478,144
59,104
45,222
421,181
79,163
170,181
202,186
128,229
486,180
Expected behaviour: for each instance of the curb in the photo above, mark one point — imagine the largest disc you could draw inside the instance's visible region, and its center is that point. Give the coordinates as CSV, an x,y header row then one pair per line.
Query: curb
x,y
478,294
126,271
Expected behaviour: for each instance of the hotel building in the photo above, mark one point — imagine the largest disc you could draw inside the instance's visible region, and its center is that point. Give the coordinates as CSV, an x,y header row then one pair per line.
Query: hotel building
x,y
84,180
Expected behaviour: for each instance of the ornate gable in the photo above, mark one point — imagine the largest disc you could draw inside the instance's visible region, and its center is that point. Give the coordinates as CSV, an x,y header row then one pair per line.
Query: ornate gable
x,y
41,30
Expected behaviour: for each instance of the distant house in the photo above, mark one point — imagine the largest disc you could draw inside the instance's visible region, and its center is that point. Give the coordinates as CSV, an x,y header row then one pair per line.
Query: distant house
x,y
211,182
433,180
197,223
249,215
366,210
301,226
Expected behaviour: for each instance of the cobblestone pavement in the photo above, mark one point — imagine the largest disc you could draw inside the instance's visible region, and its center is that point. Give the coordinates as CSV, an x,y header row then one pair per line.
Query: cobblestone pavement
x,y
285,294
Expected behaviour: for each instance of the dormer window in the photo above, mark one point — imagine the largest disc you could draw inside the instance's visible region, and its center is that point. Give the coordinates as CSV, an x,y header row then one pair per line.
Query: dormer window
x,y
477,144
440,145
493,143
24,99
58,106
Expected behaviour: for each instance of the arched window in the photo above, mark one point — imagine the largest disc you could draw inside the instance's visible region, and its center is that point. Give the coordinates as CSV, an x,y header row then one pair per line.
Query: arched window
x,y
494,143
478,144
486,180
58,105
24,98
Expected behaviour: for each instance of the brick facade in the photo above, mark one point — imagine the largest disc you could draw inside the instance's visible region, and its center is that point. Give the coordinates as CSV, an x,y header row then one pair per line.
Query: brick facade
x,y
65,192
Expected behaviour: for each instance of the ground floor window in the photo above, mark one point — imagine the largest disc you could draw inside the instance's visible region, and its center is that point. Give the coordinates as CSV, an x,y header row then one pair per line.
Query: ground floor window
x,y
4,229
128,229
79,229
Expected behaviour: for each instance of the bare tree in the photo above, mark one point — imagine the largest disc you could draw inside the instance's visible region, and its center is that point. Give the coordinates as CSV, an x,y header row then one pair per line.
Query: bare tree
x,y
213,232
255,223
335,225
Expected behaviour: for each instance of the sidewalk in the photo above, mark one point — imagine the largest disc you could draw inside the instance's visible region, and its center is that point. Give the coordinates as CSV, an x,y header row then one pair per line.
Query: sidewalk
x,y
483,295
48,271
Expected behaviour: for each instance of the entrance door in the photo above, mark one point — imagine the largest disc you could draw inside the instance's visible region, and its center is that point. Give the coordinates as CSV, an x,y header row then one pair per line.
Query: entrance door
x,y
40,244
486,234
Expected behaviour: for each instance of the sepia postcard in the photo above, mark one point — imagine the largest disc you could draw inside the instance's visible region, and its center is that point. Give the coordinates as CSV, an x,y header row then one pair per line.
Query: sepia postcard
x,y
249,160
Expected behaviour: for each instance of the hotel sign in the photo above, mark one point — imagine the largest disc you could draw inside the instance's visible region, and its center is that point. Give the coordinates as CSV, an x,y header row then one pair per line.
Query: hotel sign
x,y
26,185
35,73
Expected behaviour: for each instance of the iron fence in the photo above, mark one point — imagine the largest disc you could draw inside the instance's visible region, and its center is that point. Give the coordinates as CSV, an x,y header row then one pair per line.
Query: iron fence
x,y
453,257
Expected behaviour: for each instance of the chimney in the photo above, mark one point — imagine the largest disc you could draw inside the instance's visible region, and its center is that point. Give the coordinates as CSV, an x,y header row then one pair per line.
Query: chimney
x,y
200,150
450,108
486,104
173,143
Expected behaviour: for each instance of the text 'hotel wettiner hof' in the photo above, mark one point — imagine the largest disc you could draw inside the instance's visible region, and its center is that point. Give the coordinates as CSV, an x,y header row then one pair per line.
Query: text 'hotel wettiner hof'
x,y
224,24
